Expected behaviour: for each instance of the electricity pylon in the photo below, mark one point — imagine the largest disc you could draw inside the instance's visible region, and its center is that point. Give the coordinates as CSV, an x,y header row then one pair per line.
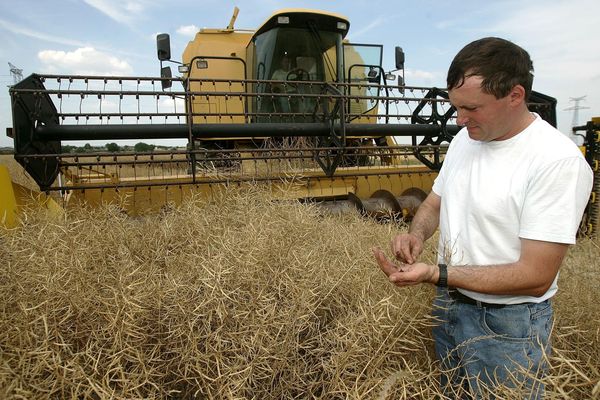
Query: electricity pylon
x,y
16,73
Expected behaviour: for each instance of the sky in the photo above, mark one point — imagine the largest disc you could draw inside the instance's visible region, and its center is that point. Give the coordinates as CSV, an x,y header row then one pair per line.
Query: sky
x,y
118,37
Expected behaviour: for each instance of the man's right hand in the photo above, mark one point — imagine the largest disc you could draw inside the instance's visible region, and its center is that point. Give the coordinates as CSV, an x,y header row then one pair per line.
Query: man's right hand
x,y
407,247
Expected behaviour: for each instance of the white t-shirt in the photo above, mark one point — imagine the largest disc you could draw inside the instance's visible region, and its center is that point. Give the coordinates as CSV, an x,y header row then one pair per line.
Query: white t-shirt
x,y
279,75
534,185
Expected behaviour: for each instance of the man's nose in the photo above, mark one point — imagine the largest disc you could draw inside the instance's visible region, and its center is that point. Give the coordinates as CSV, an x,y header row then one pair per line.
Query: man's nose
x,y
461,118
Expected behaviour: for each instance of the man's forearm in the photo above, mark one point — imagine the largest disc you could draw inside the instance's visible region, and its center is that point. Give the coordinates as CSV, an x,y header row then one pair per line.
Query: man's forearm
x,y
531,275
501,279
426,220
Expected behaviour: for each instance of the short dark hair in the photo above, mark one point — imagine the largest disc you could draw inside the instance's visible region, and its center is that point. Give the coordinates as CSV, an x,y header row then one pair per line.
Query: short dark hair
x,y
501,63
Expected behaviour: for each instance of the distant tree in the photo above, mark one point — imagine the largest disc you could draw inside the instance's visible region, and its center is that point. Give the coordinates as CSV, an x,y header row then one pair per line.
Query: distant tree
x,y
143,147
65,148
113,147
87,148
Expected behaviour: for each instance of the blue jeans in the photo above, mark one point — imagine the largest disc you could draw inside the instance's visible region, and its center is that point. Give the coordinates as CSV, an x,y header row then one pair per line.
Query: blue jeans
x,y
476,344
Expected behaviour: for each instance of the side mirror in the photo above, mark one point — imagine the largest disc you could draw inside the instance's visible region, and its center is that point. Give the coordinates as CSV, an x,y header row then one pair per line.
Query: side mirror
x,y
163,46
399,58
165,72
401,84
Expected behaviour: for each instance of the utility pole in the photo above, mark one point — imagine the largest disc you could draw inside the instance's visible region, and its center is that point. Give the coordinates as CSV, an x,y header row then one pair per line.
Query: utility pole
x,y
577,138
16,73
576,109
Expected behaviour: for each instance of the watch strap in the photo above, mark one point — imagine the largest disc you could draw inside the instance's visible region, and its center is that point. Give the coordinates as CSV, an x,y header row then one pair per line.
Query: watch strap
x,y
443,278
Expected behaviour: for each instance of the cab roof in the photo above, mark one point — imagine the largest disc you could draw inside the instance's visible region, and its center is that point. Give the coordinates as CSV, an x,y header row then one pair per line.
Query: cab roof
x,y
298,17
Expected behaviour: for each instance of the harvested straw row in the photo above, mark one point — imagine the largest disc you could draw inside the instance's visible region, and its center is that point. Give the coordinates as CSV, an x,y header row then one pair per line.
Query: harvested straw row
x,y
241,297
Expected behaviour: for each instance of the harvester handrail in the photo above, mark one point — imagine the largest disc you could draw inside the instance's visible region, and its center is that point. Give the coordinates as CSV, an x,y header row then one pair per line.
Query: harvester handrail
x,y
193,94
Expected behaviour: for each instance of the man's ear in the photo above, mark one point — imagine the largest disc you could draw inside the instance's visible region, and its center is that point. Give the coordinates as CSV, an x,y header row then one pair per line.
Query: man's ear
x,y
517,95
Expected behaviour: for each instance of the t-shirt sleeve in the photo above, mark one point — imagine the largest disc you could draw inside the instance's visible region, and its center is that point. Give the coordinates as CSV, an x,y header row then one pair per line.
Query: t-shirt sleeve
x,y
438,183
556,197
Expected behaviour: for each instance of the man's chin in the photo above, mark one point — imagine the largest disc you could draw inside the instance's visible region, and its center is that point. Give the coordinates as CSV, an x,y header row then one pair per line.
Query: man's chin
x,y
474,133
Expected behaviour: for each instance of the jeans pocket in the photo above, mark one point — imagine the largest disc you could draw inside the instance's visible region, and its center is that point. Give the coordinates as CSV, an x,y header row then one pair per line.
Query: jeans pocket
x,y
512,323
541,319
541,310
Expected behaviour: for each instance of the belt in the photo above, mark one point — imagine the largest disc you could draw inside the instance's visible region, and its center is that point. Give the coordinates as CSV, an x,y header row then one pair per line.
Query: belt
x,y
461,298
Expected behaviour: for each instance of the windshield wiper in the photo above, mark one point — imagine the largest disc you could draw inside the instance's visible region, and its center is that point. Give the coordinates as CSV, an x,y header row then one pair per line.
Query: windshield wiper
x,y
316,37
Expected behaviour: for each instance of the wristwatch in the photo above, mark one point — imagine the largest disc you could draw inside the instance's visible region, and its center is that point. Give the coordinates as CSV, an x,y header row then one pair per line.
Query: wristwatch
x,y
443,279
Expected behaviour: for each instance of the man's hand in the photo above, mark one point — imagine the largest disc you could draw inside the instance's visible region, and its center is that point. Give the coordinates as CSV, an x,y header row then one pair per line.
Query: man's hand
x,y
406,274
407,247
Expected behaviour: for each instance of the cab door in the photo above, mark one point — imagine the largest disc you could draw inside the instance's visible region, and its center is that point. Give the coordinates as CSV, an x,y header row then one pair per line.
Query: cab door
x,y
362,70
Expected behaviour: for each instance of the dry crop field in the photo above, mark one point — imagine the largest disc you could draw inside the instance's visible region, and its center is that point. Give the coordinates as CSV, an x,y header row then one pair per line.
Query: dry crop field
x,y
239,298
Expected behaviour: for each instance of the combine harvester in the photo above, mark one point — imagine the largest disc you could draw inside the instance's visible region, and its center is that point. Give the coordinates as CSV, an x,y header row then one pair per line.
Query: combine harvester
x,y
292,105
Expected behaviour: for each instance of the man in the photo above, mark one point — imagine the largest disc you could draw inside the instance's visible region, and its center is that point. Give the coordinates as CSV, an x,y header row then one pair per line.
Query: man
x,y
508,202
282,103
282,72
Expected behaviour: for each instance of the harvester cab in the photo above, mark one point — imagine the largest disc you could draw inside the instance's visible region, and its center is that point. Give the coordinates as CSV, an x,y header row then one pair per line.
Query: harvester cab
x,y
285,64
292,105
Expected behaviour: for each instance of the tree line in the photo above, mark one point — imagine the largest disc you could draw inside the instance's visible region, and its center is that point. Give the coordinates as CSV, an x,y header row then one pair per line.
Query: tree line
x,y
112,147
